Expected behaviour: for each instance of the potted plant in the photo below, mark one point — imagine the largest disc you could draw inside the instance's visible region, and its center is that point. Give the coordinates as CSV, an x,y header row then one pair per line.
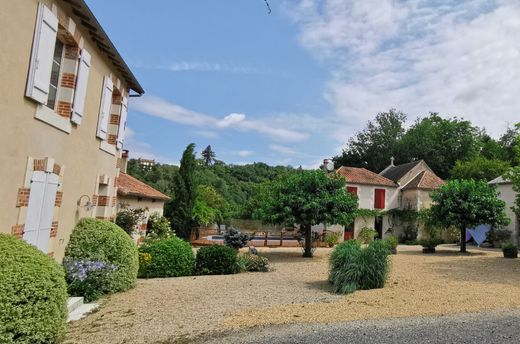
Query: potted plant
x,y
392,243
332,238
510,250
429,244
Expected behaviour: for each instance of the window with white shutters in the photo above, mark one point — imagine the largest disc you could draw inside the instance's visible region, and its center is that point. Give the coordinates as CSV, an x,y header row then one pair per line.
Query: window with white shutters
x,y
104,109
43,48
122,123
81,87
40,210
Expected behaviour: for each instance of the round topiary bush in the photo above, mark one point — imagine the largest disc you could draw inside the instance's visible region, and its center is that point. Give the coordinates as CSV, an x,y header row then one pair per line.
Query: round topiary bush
x,y
33,294
216,260
170,257
100,258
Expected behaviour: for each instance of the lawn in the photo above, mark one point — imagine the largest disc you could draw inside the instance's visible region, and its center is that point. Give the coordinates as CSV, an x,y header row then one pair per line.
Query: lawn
x,y
166,310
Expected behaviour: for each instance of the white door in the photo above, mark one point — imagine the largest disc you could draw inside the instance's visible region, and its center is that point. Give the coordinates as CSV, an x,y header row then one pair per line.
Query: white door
x,y
42,197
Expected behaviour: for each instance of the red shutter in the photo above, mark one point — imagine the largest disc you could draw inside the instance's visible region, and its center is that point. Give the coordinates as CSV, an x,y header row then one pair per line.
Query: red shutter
x,y
379,199
352,190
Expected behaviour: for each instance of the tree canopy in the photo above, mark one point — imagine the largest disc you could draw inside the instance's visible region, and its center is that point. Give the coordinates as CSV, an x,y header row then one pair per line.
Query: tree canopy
x,y
466,204
479,168
307,198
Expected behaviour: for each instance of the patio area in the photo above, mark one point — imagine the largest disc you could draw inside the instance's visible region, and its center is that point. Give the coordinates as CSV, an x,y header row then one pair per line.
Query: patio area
x,y
176,309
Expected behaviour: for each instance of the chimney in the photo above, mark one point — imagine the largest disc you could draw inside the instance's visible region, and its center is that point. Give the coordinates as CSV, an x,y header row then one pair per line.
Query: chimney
x,y
124,160
392,161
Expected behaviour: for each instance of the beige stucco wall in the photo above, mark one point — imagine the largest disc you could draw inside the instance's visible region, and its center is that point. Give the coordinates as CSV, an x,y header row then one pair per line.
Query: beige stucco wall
x,y
23,136
508,195
366,196
153,206
417,199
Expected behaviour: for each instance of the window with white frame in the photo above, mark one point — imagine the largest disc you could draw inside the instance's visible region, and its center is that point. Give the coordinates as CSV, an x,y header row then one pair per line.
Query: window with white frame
x,y
57,61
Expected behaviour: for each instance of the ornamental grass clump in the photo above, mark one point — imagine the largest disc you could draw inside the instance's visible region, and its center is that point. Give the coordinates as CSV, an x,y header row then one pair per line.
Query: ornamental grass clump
x,y
33,294
100,258
353,267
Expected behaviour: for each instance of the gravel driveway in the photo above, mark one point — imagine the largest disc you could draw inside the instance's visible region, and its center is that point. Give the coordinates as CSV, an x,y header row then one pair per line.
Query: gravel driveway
x,y
176,309
486,327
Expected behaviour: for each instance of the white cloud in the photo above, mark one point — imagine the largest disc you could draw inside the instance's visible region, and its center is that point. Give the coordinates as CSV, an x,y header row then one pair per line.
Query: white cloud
x,y
283,150
457,58
186,66
244,153
140,149
206,134
161,108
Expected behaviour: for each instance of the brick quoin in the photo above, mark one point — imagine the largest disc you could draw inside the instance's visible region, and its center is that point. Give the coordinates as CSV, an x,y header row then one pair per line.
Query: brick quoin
x,y
64,109
17,231
39,164
116,99
50,254
103,201
112,139
54,229
59,198
68,80
71,52
22,199
94,200
114,201
118,163
114,119
56,169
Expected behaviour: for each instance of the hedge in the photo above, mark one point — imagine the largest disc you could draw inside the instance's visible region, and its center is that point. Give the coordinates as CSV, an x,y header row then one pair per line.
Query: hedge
x,y
33,294
170,257
216,260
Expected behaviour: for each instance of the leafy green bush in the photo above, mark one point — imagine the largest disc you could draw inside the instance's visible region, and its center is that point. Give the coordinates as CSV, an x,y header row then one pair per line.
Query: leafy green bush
x,y
430,243
355,268
497,236
158,227
332,238
234,238
129,219
216,260
392,242
33,294
367,235
509,249
252,263
171,257
100,258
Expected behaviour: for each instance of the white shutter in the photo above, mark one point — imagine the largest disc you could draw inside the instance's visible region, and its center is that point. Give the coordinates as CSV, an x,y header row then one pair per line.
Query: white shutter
x,y
40,211
104,109
32,221
47,212
42,53
122,123
81,87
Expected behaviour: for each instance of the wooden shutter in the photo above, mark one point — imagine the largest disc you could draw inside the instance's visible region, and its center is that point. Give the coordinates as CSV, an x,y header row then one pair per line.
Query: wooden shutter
x,y
40,210
122,123
379,198
81,87
352,190
41,55
104,109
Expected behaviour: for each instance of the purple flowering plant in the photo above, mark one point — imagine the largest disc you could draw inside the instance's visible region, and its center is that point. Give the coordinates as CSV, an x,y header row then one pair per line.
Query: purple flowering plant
x,y
88,278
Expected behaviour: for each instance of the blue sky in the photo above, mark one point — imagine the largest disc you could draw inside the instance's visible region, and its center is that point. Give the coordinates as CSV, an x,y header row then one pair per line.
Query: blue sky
x,y
292,86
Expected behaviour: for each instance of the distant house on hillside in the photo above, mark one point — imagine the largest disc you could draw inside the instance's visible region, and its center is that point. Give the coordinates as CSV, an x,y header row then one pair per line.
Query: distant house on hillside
x,y
508,195
406,186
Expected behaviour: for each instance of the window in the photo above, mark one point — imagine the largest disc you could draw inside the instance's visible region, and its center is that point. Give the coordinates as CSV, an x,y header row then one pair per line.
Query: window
x,y
352,190
40,210
57,61
379,198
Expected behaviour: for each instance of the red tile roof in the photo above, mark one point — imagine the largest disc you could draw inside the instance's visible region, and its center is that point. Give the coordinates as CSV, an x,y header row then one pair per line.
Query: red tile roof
x,y
425,180
129,186
357,175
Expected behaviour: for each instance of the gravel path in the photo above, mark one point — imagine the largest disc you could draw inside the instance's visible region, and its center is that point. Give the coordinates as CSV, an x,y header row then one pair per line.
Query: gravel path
x,y
486,327
172,310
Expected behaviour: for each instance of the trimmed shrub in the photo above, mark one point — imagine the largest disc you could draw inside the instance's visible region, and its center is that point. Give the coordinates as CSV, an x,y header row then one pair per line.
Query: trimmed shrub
x,y
355,268
367,235
253,263
100,258
216,260
159,227
170,257
510,250
430,243
33,294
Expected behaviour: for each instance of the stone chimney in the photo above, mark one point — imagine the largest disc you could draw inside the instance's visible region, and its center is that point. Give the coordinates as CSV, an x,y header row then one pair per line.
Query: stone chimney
x,y
392,161
124,160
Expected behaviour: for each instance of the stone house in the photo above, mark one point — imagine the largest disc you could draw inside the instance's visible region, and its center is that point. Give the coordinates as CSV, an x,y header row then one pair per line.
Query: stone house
x,y
508,195
65,96
406,186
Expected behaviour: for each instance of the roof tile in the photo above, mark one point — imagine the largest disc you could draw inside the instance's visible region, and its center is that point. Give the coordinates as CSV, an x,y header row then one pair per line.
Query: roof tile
x,y
357,175
130,186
